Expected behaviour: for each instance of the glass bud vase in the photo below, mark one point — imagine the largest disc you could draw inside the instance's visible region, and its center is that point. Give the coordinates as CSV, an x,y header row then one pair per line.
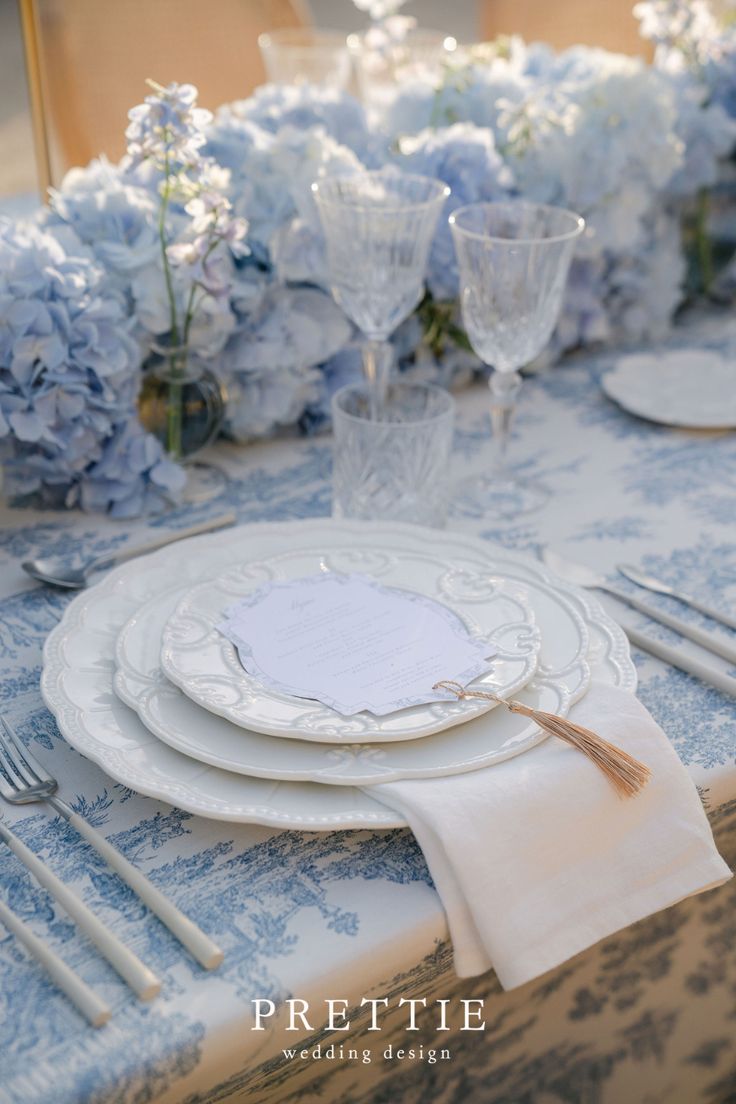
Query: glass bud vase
x,y
182,403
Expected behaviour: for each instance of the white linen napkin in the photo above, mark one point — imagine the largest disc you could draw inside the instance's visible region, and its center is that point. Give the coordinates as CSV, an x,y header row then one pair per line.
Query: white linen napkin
x,y
537,858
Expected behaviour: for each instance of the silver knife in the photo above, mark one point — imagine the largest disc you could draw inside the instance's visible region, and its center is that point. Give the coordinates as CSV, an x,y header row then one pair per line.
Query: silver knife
x,y
677,658
586,576
649,582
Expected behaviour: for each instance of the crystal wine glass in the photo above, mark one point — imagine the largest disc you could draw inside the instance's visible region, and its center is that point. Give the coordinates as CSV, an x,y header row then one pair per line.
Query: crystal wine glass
x,y
513,259
298,55
378,229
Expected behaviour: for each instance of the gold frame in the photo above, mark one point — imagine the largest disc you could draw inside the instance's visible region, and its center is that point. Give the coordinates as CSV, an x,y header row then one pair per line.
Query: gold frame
x,y
57,134
34,76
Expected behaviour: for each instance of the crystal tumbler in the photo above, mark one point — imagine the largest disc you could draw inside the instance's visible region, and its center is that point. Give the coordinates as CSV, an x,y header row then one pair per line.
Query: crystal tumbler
x,y
394,468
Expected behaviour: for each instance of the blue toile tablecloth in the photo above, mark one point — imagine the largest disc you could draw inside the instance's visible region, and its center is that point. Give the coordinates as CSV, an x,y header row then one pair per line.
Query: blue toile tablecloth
x,y
648,1015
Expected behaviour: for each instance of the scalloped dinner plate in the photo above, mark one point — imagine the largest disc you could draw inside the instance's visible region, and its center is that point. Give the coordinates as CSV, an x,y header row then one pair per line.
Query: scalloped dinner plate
x,y
180,722
79,658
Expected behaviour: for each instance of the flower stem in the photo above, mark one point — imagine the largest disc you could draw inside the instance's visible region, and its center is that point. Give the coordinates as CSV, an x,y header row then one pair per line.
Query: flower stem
x,y
174,396
175,405
191,306
165,197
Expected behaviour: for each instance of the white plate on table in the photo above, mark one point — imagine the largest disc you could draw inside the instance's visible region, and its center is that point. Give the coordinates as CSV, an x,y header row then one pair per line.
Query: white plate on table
x,y
205,665
180,722
691,388
79,667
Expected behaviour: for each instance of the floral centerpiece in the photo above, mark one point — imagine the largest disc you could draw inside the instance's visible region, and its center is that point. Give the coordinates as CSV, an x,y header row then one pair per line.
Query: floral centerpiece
x,y
205,241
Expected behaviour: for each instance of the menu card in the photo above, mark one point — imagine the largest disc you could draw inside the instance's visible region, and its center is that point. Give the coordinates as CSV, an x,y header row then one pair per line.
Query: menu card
x,y
351,643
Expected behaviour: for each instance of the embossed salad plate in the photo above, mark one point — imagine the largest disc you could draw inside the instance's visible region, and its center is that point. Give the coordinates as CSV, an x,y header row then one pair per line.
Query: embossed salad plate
x,y
692,388
177,720
79,660
181,723
204,664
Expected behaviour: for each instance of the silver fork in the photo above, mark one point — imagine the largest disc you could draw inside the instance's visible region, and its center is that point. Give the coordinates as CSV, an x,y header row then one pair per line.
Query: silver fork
x,y
27,781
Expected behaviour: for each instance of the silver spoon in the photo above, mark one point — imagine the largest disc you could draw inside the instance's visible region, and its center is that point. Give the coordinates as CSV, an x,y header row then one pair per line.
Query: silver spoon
x,y
650,583
59,573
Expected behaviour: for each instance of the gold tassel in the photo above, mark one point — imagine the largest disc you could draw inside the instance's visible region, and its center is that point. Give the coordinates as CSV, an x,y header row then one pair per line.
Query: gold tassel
x,y
626,774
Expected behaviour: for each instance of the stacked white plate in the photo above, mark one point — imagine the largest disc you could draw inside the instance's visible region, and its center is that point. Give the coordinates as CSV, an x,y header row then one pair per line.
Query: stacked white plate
x,y
141,681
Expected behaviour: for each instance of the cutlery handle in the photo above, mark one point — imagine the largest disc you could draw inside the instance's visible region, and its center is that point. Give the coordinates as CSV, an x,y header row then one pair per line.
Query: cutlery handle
x,y
92,1007
138,976
706,639
675,657
204,949
715,615
125,554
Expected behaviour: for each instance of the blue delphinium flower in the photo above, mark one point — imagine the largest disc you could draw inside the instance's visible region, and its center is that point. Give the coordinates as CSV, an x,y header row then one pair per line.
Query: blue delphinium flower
x,y
167,128
177,276
198,233
69,381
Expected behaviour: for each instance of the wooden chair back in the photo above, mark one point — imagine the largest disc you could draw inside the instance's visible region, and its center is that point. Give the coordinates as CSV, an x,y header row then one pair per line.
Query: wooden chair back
x,y
87,62
607,23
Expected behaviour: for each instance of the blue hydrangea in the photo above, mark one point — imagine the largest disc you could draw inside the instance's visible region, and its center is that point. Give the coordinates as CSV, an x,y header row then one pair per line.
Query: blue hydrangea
x,y
708,135
465,157
69,375
115,218
269,365
271,172
305,106
596,132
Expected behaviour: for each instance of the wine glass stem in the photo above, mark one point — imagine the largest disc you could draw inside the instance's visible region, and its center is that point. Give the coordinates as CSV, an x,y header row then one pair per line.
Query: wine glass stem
x,y
377,360
505,387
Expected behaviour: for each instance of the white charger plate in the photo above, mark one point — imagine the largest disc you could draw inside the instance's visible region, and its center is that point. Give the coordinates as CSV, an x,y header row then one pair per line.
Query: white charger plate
x,y
79,664
205,665
692,388
180,722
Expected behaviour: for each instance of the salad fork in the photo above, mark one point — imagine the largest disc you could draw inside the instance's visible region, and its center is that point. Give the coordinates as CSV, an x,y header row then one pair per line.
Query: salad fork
x,y
24,780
